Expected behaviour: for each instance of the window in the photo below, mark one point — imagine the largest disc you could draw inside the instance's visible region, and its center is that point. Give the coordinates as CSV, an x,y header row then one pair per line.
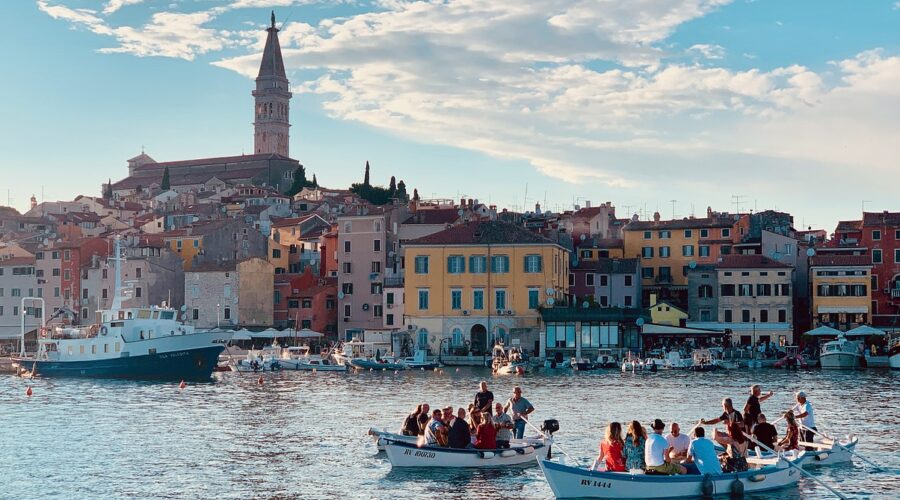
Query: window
x,y
897,256
897,234
763,315
347,267
705,291
346,247
226,291
226,313
628,280
665,272
67,274
138,292
306,303
647,272
500,299
478,299
727,290
390,298
688,233
763,290
376,267
196,243
84,293
377,311
423,300
533,298
347,288
782,315
389,320
347,227
456,299
499,263
276,253
876,256
561,335
533,264
745,315
347,310
15,292
782,290
727,316
376,245
421,264
67,255
726,232
664,235
628,301
477,264
195,314
648,235
589,279
687,250
725,250
604,301
876,234
604,280
571,279
647,252
745,290
55,272
457,339
456,264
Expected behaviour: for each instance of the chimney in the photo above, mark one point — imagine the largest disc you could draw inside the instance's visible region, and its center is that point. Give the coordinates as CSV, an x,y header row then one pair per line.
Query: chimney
x,y
587,203
462,203
655,216
709,212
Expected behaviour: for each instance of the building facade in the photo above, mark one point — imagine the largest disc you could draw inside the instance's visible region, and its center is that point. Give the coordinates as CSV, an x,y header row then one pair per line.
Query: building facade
x,y
606,282
755,299
841,288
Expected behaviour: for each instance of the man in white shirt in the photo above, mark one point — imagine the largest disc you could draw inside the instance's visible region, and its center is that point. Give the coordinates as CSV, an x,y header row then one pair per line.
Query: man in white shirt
x,y
656,452
701,455
678,442
804,412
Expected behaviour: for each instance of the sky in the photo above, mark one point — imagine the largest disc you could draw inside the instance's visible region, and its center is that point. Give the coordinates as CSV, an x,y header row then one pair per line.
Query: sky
x,y
730,104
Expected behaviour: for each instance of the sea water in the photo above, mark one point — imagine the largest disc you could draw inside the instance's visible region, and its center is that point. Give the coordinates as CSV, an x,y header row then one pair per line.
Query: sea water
x,y
303,434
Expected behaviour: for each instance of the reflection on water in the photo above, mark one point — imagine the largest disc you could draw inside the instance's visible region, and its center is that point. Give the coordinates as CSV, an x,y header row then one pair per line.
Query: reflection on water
x,y
303,435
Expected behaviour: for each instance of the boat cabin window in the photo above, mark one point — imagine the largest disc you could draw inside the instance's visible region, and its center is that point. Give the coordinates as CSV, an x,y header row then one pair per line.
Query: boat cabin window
x,y
94,349
168,315
105,347
152,350
143,314
121,314
118,347
117,324
129,315
51,347
81,350
150,334
69,350
155,314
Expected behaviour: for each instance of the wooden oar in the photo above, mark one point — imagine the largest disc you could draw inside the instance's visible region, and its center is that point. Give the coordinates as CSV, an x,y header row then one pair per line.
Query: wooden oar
x,y
837,443
552,443
699,423
792,464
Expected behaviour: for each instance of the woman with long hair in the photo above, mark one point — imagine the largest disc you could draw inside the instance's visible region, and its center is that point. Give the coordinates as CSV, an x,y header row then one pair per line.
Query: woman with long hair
x,y
612,449
735,458
791,439
634,446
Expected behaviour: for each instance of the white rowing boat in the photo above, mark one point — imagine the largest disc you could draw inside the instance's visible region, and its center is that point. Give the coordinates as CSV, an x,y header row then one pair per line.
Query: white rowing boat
x,y
403,454
576,482
381,438
824,453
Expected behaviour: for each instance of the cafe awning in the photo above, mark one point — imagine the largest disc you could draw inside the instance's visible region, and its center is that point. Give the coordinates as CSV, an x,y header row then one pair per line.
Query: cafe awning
x,y
653,329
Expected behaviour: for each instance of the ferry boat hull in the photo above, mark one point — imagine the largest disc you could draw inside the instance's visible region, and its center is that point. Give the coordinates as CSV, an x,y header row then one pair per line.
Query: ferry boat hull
x,y
186,364
840,360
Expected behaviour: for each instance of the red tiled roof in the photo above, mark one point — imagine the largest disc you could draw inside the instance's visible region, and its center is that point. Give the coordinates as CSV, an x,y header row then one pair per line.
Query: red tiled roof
x,y
209,161
846,226
706,222
483,233
434,216
840,260
881,218
749,261
17,261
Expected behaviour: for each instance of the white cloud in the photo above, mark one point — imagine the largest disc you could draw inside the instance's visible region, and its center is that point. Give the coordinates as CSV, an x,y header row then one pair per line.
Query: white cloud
x,y
114,5
709,51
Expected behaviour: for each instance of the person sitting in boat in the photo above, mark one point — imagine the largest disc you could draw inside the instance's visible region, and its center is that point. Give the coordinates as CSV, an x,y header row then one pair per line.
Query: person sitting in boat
x,y
436,431
411,423
729,415
424,418
612,449
678,442
764,432
752,408
701,455
521,408
485,432
656,453
504,425
791,439
735,456
635,442
484,399
804,411
459,434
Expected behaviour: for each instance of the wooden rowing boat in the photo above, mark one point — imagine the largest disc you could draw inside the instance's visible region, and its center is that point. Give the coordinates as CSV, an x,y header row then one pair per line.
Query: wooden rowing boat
x,y
576,482
381,438
824,453
403,454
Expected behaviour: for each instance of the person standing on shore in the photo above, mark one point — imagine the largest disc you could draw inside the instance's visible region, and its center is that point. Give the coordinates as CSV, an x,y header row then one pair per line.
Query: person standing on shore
x,y
520,408
803,410
752,408
484,399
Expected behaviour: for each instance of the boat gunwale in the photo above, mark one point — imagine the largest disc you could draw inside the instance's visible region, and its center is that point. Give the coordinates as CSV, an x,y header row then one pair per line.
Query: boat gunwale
x,y
467,451
658,478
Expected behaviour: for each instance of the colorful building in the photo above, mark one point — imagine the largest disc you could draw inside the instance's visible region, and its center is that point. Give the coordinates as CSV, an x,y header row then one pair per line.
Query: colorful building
x,y
479,282
606,282
880,232
841,287
755,299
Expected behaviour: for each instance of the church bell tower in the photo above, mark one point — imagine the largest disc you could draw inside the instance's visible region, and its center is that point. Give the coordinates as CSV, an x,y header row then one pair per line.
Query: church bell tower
x,y
272,100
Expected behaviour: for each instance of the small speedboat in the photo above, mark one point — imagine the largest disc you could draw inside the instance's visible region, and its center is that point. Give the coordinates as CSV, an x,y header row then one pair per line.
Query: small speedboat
x,y
894,353
420,361
381,438
377,364
703,361
511,362
321,365
404,454
576,482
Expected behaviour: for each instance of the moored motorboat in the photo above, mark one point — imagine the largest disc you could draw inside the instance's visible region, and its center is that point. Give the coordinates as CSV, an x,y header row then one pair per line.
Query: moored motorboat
x,y
420,361
842,354
508,362
792,359
576,482
894,353
404,454
703,361
381,438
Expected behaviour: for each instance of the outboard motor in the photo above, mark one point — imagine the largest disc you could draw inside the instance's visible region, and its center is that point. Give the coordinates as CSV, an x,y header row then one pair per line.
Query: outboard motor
x,y
549,427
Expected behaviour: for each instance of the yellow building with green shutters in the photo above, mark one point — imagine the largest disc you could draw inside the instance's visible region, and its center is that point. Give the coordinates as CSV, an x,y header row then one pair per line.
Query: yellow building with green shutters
x,y
473,284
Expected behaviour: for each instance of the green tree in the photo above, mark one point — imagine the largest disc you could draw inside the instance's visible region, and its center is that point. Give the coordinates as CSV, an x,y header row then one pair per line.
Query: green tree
x,y
315,183
366,178
107,190
300,181
165,186
392,187
401,192
416,194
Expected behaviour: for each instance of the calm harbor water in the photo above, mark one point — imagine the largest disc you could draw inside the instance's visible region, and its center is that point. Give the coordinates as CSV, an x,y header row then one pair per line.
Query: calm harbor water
x,y
303,435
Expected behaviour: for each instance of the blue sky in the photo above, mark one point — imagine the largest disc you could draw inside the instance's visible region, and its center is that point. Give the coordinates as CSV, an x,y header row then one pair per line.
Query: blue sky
x,y
791,104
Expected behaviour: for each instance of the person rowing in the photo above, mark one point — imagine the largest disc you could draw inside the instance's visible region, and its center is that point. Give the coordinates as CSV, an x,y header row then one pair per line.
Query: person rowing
x,y
765,432
803,410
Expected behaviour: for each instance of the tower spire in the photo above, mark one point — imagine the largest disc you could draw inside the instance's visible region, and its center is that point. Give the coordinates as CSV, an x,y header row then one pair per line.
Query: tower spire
x,y
272,99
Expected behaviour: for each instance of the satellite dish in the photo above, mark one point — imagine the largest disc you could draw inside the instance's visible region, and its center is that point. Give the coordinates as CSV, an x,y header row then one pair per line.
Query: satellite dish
x,y
341,295
639,322
692,264
585,304
583,236
551,301
810,252
551,292
365,307
184,308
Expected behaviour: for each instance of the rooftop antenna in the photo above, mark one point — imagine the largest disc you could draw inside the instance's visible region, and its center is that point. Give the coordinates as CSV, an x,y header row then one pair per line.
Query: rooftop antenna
x,y
737,200
525,200
673,208
864,205
692,209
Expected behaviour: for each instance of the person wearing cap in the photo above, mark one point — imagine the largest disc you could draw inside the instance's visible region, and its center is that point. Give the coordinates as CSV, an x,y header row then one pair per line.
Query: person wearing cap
x,y
752,408
656,452
803,410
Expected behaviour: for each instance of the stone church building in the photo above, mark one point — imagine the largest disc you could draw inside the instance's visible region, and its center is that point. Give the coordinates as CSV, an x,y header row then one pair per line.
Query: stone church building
x,y
269,165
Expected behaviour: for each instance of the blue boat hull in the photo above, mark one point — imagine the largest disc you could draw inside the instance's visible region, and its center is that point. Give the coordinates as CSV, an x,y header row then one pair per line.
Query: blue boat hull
x,y
188,364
